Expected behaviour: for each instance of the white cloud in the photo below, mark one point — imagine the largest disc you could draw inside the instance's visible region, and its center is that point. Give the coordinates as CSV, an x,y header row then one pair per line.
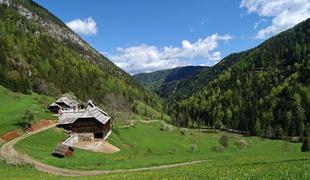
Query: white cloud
x,y
84,27
284,14
146,58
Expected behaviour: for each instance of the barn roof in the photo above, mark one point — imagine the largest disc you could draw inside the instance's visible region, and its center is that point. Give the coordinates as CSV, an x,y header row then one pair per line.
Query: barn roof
x,y
90,104
61,149
92,112
69,102
54,105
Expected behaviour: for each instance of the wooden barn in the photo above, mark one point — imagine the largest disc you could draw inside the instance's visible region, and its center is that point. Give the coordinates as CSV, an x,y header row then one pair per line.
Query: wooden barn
x,y
91,122
63,104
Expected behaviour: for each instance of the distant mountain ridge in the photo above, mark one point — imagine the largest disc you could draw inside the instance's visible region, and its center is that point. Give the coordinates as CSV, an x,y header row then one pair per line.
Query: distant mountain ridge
x,y
157,80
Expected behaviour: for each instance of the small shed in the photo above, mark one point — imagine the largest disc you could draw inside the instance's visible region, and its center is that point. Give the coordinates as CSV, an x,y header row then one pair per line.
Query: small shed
x,y
62,150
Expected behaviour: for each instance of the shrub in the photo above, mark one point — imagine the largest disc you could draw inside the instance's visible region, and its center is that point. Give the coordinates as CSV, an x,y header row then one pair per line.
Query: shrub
x,y
193,147
305,145
241,144
165,127
269,132
224,140
218,148
26,120
183,131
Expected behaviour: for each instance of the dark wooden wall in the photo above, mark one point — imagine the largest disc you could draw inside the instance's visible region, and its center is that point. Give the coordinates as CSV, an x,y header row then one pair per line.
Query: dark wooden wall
x,y
89,125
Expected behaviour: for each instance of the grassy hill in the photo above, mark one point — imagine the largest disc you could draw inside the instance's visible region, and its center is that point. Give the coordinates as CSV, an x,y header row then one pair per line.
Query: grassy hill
x,y
40,53
13,105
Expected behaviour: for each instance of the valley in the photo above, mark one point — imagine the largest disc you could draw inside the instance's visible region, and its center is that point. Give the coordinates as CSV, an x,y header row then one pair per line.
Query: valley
x,y
175,123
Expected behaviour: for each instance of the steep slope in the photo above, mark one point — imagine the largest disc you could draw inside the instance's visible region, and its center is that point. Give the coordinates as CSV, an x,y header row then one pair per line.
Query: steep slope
x,y
265,90
40,53
164,82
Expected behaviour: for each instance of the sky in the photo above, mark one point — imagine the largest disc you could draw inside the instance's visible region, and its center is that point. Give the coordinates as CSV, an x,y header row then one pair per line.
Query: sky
x,y
145,36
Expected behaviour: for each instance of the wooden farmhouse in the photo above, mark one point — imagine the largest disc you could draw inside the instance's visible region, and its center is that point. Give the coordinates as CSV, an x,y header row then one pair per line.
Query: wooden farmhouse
x,y
63,104
86,124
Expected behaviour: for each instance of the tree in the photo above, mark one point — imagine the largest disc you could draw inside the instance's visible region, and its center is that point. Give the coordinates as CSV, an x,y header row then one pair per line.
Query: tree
x,y
257,128
306,143
26,120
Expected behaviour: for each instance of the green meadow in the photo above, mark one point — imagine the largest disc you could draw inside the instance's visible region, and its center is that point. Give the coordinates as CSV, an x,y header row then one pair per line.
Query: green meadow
x,y
13,105
148,144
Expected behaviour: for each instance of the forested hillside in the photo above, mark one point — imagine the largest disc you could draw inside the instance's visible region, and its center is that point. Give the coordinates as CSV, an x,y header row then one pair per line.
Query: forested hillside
x,y
40,53
165,82
265,90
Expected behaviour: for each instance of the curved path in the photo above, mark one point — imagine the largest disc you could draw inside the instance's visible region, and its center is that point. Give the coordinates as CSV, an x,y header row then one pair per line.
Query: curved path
x,y
8,152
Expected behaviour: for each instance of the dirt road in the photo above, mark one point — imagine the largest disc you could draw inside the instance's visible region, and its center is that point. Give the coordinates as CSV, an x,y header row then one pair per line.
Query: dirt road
x,y
8,153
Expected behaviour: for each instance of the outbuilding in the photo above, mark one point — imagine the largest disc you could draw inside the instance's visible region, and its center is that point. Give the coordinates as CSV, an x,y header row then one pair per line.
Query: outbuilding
x,y
62,150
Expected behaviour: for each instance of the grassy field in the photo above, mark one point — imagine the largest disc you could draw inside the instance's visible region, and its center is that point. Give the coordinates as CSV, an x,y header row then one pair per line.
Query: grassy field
x,y
235,168
149,144
13,105
145,145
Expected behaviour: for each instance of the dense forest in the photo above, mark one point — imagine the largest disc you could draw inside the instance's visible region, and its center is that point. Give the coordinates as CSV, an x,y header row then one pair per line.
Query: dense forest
x,y
33,59
165,82
265,90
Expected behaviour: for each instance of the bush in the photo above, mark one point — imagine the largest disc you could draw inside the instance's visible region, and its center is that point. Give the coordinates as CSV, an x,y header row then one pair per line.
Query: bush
x,y
218,148
305,145
193,147
224,140
26,120
241,144
165,127
183,131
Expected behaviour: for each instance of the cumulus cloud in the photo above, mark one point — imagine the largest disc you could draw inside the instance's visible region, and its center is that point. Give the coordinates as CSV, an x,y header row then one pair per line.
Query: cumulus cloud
x,y
283,14
147,58
84,26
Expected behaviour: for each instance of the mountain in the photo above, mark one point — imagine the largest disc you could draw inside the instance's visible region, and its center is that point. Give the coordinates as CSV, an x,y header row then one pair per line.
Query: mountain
x,y
160,81
265,90
39,53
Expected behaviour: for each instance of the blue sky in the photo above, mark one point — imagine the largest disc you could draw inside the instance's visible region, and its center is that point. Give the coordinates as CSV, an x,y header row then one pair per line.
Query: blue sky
x,y
144,36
